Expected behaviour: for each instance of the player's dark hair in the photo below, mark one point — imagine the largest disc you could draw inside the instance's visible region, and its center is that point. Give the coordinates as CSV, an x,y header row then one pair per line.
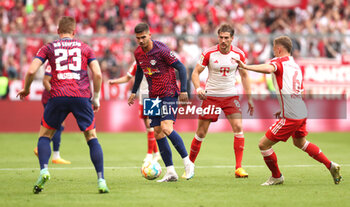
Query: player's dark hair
x,y
226,28
66,25
141,27
285,41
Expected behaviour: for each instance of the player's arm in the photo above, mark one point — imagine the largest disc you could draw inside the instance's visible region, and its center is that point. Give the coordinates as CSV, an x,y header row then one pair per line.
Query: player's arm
x,y
196,82
261,68
97,81
33,68
246,86
124,79
183,79
46,82
138,79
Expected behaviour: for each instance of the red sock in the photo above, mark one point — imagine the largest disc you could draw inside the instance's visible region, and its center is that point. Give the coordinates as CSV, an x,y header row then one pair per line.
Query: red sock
x,y
238,146
151,142
195,147
270,159
155,147
316,153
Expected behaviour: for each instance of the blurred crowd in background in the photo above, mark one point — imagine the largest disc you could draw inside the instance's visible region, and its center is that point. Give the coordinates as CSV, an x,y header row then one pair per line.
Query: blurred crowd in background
x,y
322,29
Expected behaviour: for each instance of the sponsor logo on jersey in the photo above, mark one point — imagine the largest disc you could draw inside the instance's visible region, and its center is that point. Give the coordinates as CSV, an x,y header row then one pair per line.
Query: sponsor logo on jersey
x,y
224,70
150,71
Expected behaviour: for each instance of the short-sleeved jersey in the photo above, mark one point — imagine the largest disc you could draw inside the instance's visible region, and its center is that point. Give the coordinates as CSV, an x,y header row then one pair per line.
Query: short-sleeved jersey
x,y
288,81
156,66
69,59
46,95
222,70
144,86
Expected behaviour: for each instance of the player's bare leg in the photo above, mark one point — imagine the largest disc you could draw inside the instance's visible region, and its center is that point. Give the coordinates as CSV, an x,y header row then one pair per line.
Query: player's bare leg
x,y
316,153
44,153
96,155
270,158
238,145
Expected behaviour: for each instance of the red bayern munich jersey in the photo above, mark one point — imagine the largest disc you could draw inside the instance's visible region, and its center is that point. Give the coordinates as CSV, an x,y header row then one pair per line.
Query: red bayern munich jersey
x,y
156,66
68,59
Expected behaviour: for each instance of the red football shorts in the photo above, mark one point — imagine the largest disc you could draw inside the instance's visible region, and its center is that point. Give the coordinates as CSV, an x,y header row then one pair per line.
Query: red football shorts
x,y
284,128
230,105
141,112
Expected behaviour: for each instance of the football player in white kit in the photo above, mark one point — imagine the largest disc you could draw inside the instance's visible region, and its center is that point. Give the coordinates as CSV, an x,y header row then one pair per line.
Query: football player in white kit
x,y
288,81
220,92
152,144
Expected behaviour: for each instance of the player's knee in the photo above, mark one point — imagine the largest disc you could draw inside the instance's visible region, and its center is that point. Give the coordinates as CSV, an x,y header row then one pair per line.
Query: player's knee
x,y
262,145
89,134
166,129
298,143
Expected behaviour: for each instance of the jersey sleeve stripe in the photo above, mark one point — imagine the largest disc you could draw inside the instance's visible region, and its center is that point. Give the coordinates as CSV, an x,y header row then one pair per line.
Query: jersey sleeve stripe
x,y
40,58
274,65
90,60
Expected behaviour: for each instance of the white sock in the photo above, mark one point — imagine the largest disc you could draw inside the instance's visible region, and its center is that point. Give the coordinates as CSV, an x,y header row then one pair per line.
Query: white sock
x,y
170,169
56,155
186,160
198,138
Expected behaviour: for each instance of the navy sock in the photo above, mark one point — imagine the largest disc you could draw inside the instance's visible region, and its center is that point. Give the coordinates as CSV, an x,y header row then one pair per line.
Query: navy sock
x,y
96,156
56,139
178,143
44,151
165,151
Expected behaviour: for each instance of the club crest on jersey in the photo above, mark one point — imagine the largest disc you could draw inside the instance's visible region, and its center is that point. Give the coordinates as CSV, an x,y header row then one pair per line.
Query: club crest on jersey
x,y
153,62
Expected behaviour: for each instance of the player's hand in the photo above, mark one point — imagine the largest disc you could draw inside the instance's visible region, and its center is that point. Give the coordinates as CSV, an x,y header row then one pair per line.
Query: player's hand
x,y
131,99
277,115
22,94
201,93
112,82
240,63
183,98
250,107
96,108
96,101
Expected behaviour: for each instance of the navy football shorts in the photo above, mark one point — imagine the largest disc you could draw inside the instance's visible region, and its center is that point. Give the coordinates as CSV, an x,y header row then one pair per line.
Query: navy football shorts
x,y
58,108
168,107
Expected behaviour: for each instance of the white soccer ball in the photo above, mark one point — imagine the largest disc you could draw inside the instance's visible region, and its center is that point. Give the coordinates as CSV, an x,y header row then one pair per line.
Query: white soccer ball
x,y
151,170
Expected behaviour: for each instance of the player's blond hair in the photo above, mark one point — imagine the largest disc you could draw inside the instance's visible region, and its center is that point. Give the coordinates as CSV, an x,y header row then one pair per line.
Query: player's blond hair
x,y
66,25
285,42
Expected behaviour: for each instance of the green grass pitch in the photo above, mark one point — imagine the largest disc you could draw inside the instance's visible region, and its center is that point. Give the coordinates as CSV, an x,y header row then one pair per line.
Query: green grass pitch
x,y
307,182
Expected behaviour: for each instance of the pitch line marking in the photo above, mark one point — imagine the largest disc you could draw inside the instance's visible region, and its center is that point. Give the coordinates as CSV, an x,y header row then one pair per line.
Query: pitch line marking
x,y
135,167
